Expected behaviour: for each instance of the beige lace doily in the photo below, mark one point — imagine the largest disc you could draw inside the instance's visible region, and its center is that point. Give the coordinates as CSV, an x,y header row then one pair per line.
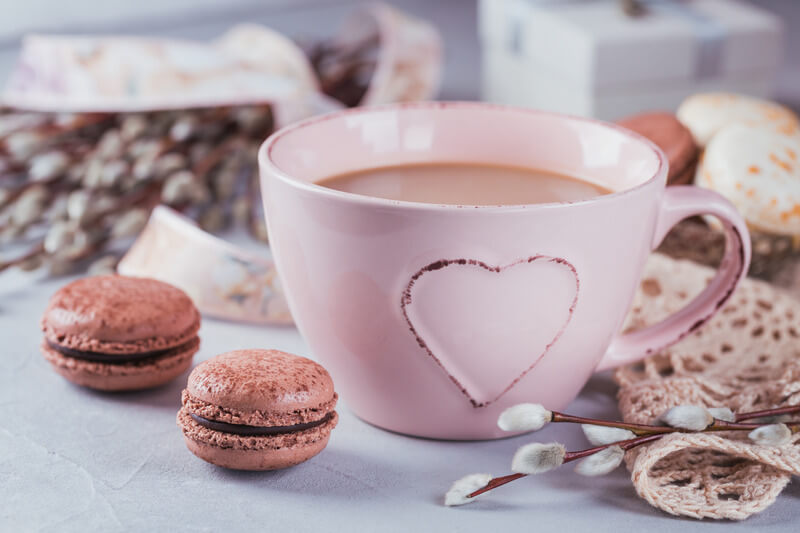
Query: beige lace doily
x,y
747,357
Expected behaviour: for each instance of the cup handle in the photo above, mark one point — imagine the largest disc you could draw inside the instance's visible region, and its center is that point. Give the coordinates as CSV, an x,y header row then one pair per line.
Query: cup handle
x,y
678,203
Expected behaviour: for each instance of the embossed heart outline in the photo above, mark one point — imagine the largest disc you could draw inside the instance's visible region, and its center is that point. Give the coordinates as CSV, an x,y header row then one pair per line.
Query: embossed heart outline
x,y
444,263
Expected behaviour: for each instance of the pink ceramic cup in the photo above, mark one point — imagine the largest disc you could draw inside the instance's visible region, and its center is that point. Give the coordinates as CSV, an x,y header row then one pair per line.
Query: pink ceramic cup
x,y
432,319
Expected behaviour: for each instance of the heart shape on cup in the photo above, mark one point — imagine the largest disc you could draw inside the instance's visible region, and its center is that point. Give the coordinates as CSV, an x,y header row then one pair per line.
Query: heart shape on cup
x,y
488,326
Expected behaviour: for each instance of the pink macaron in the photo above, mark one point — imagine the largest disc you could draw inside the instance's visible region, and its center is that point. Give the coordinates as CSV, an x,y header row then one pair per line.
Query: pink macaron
x,y
257,410
116,333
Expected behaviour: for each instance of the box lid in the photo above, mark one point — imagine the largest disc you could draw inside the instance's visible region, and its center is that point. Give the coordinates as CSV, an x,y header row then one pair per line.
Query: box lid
x,y
594,43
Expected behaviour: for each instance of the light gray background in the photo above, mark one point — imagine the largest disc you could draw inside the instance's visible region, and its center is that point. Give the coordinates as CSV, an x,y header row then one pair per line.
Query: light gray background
x,y
75,460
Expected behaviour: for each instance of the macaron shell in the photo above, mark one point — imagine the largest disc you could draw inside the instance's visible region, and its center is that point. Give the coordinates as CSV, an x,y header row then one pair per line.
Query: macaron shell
x,y
122,377
666,131
759,172
254,453
118,314
263,380
256,417
705,114
236,459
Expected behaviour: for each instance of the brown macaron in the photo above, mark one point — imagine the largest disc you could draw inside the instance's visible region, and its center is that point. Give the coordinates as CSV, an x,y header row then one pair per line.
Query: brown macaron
x,y
666,131
116,333
257,410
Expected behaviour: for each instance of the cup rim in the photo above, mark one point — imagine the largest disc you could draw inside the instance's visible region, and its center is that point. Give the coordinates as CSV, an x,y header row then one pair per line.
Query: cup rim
x,y
265,161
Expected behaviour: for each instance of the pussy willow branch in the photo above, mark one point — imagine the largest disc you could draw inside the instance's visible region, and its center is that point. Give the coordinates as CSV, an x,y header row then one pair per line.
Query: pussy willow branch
x,y
647,429
786,410
146,196
35,250
646,433
568,457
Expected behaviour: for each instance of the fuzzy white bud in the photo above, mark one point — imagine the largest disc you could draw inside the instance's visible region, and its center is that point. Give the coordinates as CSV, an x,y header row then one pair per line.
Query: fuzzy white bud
x,y
144,165
212,219
457,495
132,126
169,163
771,435
46,166
29,206
241,210
76,171
93,175
129,223
691,417
183,128
112,173
601,463
249,119
77,247
102,266
78,205
57,209
22,144
600,435
524,417
183,187
225,181
722,413
58,236
537,457
110,145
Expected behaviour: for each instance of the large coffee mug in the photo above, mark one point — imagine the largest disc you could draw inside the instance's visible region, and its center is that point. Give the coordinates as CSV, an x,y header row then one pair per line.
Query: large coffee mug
x,y
432,319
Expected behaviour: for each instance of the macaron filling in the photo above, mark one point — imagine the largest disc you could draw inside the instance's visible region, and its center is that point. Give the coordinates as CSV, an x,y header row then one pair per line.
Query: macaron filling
x,y
120,359
254,431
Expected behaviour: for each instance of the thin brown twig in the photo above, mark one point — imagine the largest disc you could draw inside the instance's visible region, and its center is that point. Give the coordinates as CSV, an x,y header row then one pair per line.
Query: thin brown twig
x,y
648,429
568,457
35,250
786,410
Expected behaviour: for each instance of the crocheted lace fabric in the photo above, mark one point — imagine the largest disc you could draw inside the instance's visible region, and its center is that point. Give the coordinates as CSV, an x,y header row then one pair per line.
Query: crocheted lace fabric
x,y
747,357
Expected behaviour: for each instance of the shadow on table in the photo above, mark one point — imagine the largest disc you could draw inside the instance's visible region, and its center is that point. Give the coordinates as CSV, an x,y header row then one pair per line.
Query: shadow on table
x,y
792,490
334,474
167,396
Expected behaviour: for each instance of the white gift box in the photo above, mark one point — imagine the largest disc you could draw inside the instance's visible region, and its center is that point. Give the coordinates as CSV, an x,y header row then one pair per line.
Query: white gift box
x,y
587,57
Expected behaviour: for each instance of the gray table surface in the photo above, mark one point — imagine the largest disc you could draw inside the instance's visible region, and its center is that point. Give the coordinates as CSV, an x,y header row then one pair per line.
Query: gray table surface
x,y
76,460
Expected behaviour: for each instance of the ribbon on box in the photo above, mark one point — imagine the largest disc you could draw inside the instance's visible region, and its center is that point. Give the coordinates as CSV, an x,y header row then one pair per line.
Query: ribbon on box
x,y
709,32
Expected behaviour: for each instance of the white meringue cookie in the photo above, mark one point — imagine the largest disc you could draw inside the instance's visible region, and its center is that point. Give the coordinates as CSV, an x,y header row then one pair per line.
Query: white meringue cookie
x,y
705,114
758,170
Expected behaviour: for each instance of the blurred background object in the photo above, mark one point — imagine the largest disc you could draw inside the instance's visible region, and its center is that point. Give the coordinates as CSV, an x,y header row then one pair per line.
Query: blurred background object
x,y
203,19
608,59
98,130
87,180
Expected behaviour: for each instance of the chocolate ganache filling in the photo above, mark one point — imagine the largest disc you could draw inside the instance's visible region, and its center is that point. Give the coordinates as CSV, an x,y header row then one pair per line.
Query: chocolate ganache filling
x,y
256,431
113,358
